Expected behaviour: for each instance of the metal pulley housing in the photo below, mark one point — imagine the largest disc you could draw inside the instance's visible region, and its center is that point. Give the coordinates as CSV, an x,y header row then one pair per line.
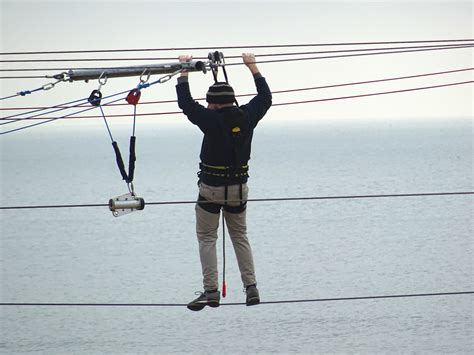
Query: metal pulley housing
x,y
127,203
150,69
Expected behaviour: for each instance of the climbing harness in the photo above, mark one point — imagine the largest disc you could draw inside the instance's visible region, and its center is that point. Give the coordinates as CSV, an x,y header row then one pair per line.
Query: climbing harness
x,y
224,171
236,127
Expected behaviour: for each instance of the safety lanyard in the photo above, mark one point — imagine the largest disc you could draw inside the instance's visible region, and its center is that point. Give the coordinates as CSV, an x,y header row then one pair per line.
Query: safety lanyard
x,y
128,202
217,60
132,98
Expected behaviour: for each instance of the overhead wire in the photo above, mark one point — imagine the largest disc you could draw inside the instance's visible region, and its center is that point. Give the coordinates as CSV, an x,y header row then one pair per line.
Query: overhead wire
x,y
273,60
273,92
63,106
292,45
355,55
58,108
373,94
55,60
50,119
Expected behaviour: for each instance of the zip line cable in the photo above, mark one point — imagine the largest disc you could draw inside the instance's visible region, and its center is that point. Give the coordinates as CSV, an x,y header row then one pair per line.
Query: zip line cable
x,y
50,119
373,94
55,118
236,47
274,199
58,109
46,120
354,55
287,60
310,300
273,92
205,57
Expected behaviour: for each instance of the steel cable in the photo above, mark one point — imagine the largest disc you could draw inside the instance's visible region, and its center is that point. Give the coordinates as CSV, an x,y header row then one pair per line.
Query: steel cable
x,y
291,59
50,119
55,60
271,199
237,47
292,301
252,94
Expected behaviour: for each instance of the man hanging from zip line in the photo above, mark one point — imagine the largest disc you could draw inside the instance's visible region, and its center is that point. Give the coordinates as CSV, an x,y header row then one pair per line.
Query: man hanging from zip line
x,y
223,175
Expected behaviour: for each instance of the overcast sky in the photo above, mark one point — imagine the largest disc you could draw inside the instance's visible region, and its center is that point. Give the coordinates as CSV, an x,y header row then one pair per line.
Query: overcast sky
x,y
78,25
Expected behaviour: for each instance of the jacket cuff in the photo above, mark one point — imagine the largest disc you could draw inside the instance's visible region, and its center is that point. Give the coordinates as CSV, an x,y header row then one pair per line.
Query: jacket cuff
x,y
257,75
182,79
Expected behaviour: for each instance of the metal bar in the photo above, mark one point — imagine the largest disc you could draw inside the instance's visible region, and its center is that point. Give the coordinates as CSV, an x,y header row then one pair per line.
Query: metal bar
x,y
166,68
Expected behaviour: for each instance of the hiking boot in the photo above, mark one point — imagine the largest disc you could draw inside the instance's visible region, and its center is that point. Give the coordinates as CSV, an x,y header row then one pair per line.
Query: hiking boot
x,y
206,298
253,297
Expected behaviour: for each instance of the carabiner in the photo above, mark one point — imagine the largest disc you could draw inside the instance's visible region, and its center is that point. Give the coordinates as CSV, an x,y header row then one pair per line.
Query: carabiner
x,y
146,72
102,80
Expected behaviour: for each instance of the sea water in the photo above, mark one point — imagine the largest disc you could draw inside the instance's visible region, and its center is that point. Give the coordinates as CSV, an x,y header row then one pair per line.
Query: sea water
x,y
302,249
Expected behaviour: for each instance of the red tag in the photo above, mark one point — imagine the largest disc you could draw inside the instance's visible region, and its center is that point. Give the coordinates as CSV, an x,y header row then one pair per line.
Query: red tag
x,y
224,289
133,96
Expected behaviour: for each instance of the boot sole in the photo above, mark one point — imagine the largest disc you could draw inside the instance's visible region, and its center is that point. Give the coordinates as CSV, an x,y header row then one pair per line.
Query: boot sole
x,y
195,308
253,301
200,307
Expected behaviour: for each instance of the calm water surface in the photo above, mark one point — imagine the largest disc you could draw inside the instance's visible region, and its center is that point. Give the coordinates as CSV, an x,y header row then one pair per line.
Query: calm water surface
x,y
302,249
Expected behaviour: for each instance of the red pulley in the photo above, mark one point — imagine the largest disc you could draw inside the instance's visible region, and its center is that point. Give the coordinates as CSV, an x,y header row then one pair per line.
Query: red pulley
x,y
133,96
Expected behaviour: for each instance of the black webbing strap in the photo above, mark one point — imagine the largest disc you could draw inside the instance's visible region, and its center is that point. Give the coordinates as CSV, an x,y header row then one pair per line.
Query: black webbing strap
x,y
214,74
215,208
226,172
208,206
234,209
132,98
131,160
226,194
225,73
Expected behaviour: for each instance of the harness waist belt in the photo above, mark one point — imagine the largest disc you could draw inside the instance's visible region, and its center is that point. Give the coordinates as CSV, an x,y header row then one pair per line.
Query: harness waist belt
x,y
224,171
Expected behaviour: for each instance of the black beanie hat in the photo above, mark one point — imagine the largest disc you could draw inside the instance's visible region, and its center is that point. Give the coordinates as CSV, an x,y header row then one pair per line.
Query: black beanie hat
x,y
220,93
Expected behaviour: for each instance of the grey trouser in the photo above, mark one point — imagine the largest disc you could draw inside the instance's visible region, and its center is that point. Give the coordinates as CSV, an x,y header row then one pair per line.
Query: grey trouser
x,y
206,230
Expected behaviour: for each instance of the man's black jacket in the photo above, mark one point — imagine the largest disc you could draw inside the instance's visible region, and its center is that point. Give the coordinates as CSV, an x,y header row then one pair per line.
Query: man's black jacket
x,y
217,148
